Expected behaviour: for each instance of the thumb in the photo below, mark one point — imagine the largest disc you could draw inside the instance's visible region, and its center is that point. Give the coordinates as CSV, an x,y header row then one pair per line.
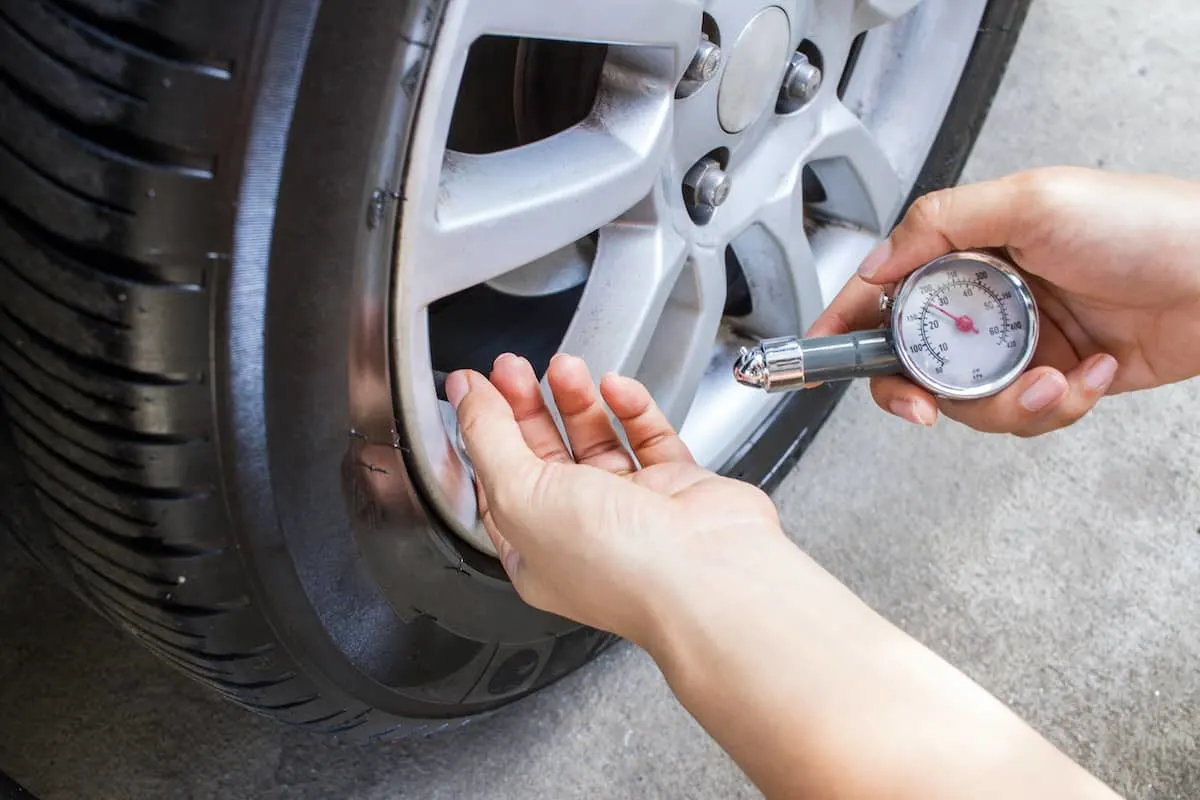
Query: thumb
x,y
981,215
491,435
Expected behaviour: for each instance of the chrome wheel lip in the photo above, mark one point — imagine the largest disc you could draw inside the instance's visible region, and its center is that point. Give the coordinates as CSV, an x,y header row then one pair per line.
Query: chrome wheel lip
x,y
720,416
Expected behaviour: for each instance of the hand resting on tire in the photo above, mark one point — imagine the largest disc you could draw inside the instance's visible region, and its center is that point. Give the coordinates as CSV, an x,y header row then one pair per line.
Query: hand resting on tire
x,y
581,530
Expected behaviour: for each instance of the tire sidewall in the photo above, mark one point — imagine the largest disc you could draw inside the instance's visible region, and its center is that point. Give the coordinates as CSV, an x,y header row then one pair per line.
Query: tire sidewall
x,y
313,468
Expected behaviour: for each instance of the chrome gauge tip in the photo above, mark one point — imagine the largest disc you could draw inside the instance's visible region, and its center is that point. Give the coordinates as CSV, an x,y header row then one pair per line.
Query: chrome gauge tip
x,y
751,368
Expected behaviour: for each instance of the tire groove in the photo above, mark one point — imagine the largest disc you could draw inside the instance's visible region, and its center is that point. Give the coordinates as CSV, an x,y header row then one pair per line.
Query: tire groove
x,y
133,618
77,69
32,364
152,46
348,726
41,289
99,428
202,672
116,485
76,541
54,181
319,720
104,368
304,701
71,490
136,545
53,430
142,631
184,612
126,148
108,594
87,260
269,683
224,657
186,653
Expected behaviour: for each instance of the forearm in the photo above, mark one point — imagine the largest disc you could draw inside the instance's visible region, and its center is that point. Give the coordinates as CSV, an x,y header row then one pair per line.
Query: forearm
x,y
815,695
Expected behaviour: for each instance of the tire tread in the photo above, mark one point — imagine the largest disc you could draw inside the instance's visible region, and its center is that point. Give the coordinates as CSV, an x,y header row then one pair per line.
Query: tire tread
x,y
104,345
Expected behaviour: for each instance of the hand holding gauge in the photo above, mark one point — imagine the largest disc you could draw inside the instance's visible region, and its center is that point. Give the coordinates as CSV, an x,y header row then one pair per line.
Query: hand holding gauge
x,y
964,326
1118,303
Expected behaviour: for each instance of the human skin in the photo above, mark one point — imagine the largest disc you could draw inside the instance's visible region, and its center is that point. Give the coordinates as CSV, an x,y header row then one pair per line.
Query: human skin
x,y
810,691
1114,261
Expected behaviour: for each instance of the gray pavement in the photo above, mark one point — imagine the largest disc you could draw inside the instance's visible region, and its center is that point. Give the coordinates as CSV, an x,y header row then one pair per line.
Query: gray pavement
x,y
1060,573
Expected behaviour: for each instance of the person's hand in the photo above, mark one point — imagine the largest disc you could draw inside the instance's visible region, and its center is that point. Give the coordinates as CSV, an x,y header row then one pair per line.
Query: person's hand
x,y
586,532
1114,261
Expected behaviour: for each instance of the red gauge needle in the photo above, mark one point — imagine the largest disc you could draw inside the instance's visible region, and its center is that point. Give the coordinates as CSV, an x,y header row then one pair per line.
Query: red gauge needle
x,y
964,323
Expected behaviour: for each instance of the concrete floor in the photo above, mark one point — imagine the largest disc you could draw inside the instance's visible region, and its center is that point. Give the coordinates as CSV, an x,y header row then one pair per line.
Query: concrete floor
x,y
1061,573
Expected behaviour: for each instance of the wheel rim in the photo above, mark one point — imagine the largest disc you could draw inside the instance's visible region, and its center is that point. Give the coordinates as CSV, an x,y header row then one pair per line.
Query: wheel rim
x,y
813,190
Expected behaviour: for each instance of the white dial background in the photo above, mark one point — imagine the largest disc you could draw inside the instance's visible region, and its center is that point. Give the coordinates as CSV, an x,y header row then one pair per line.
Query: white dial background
x,y
963,325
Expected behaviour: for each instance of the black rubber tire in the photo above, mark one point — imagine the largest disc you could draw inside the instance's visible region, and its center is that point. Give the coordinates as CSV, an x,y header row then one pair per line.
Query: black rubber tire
x,y
181,187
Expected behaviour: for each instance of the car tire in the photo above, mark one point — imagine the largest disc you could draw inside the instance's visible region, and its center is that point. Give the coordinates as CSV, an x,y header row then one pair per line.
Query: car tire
x,y
185,188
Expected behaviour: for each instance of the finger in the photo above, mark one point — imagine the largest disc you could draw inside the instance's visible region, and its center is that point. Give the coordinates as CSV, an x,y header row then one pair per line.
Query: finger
x,y
1089,383
981,215
490,433
1031,398
508,555
1043,401
1054,349
650,434
855,308
903,398
518,383
590,433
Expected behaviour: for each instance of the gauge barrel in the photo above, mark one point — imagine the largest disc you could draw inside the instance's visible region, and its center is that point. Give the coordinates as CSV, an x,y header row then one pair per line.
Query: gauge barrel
x,y
790,363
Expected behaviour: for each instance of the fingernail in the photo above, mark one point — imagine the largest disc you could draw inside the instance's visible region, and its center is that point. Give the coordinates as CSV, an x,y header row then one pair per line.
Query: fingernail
x,y
457,387
1049,389
911,411
1102,373
500,359
922,414
878,257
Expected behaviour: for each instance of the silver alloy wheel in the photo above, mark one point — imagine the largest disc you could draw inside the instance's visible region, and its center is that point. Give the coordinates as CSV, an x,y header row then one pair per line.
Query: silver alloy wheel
x,y
654,301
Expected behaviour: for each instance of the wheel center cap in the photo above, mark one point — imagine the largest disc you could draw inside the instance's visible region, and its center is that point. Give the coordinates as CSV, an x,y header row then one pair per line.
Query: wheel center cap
x,y
754,69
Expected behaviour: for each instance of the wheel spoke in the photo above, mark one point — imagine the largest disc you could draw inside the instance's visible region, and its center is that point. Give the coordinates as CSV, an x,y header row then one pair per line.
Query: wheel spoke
x,y
873,13
779,266
683,345
862,196
663,23
861,184
481,216
638,263
498,212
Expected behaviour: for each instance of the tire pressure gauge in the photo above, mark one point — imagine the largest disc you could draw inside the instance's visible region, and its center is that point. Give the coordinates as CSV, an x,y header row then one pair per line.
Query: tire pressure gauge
x,y
964,326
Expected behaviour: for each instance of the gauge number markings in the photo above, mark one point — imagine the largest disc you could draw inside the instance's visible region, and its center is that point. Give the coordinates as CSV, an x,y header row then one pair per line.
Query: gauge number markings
x,y
940,294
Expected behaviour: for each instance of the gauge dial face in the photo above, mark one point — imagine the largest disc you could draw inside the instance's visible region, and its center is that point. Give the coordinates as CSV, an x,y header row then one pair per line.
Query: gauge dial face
x,y
965,325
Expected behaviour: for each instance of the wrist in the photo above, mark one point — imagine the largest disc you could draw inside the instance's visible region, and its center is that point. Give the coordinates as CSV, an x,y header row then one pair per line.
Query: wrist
x,y
722,574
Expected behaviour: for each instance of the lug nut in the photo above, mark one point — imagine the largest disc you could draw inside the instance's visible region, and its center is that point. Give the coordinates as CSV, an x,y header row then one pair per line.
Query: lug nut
x,y
801,83
705,187
705,63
